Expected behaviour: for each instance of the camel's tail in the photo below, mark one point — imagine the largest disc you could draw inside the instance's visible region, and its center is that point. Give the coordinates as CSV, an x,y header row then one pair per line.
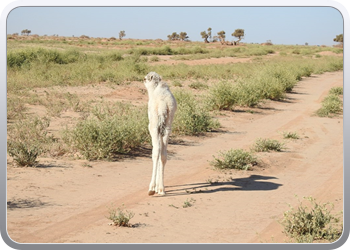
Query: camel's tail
x,y
162,123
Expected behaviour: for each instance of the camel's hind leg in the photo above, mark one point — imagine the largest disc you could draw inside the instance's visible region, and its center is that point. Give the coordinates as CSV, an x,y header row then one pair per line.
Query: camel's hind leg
x,y
162,161
156,144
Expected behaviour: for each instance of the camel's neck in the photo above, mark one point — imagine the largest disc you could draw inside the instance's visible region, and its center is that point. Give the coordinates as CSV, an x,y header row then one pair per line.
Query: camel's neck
x,y
150,90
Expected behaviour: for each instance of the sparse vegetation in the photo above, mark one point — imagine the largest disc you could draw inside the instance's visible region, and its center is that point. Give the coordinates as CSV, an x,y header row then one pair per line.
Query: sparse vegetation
x,y
120,216
234,159
154,59
188,203
198,85
306,224
27,139
336,91
24,153
331,105
290,135
64,64
15,107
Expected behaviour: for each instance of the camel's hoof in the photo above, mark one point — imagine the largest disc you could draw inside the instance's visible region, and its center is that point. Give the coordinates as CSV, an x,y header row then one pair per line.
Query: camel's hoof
x,y
151,192
161,193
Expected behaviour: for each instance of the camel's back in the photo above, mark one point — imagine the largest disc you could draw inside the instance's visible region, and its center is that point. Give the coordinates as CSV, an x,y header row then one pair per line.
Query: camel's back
x,y
163,94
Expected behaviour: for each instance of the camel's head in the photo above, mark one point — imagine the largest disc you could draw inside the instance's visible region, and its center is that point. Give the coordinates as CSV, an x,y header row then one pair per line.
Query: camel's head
x,y
152,79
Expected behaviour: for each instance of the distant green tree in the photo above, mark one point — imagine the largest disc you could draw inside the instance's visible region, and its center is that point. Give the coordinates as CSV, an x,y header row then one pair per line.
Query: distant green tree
x,y
183,36
26,31
174,36
209,33
121,34
239,33
222,36
206,35
338,38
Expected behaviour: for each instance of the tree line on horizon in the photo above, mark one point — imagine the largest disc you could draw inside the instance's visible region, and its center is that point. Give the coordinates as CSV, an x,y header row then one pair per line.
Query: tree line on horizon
x,y
206,35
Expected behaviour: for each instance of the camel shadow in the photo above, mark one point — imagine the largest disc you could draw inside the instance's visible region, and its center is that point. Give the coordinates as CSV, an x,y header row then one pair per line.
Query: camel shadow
x,y
25,203
251,183
50,165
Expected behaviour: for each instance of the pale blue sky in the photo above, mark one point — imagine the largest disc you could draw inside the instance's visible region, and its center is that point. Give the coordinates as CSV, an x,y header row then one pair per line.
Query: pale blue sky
x,y
281,25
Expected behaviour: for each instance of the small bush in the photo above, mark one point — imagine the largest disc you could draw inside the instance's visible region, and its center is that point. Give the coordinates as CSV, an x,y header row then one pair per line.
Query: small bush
x,y
234,159
247,95
154,59
24,154
266,145
114,57
177,83
27,139
336,91
222,96
307,224
119,217
331,105
30,130
110,132
198,85
15,107
296,51
290,135
188,203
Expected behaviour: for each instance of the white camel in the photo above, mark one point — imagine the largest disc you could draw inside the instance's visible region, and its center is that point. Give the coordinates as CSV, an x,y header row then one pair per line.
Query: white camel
x,y
161,109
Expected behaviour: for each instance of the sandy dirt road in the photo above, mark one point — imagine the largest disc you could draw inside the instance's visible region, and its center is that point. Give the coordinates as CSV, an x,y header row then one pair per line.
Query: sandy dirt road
x,y
67,201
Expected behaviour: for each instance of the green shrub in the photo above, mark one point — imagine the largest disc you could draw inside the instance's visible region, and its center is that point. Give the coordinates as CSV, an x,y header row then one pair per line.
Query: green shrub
x,y
177,83
110,132
222,96
115,56
154,59
15,107
290,135
266,145
331,105
247,93
307,224
31,130
24,153
120,217
191,118
336,91
296,51
27,139
267,86
198,85
43,56
234,159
